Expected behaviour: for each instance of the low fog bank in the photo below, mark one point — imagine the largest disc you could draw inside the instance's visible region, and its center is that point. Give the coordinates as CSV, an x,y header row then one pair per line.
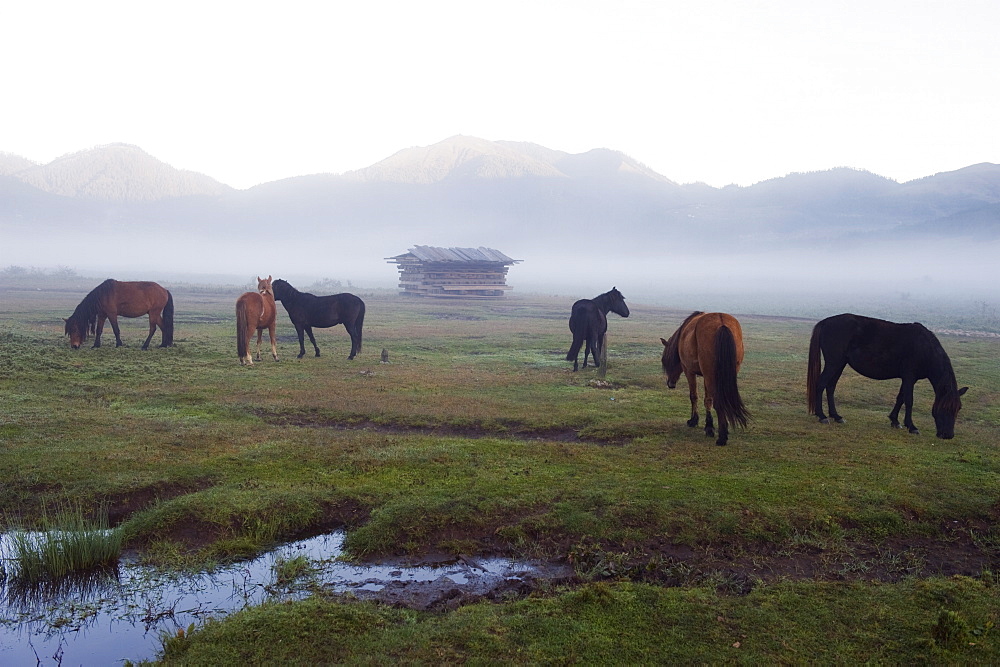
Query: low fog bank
x,y
899,282
903,283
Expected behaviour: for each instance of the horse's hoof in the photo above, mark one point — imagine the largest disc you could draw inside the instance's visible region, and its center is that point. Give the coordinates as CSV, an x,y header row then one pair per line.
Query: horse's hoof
x,y
710,434
824,420
914,431
840,420
720,443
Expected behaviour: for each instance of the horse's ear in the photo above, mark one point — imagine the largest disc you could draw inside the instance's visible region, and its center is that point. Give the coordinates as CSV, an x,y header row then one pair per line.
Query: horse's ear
x,y
961,392
269,277
258,278
664,342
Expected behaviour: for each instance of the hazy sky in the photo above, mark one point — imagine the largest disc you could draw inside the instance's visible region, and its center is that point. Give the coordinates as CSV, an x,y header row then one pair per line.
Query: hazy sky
x,y
720,91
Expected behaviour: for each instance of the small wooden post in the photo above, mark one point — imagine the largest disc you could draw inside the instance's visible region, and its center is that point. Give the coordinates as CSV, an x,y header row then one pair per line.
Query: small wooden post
x,y
602,371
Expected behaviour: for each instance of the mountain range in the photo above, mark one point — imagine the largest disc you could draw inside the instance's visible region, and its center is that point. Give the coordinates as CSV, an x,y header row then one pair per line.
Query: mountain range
x,y
464,191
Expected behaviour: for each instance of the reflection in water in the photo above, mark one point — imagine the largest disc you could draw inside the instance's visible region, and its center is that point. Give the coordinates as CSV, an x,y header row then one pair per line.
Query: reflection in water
x,y
108,616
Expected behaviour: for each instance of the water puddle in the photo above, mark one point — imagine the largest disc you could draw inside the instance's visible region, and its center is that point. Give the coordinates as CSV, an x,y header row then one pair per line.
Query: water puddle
x,y
120,614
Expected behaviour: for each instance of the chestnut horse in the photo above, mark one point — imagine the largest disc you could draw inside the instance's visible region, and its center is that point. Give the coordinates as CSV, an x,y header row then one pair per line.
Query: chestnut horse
x,y
114,298
882,350
709,345
588,322
255,311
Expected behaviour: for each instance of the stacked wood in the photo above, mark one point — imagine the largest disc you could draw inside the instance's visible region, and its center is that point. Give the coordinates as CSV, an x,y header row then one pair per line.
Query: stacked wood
x,y
463,273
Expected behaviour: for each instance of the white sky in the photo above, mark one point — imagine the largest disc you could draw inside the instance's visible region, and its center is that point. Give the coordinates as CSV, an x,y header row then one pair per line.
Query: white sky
x,y
720,91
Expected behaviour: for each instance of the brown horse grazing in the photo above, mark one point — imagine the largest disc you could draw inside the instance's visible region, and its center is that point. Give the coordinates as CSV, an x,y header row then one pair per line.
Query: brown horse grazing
x,y
255,311
114,298
709,345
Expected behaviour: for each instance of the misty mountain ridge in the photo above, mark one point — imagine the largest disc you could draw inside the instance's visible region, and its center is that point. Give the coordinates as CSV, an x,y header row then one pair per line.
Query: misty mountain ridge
x,y
115,172
519,197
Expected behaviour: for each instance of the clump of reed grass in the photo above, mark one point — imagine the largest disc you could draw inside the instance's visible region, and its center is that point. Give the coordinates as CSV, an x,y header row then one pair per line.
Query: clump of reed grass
x,y
65,543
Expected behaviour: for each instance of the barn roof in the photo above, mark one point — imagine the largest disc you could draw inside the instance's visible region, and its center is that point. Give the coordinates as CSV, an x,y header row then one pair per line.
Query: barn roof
x,y
432,254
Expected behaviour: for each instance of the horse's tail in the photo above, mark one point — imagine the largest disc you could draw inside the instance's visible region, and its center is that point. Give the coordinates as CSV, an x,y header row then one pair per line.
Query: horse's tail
x,y
359,323
168,321
727,400
812,374
242,325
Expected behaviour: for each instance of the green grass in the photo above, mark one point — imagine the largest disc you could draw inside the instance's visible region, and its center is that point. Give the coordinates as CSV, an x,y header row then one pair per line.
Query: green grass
x,y
65,543
625,623
477,437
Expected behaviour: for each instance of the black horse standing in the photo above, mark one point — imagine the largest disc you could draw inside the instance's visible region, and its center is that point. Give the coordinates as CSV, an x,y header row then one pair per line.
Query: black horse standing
x,y
883,350
308,310
588,321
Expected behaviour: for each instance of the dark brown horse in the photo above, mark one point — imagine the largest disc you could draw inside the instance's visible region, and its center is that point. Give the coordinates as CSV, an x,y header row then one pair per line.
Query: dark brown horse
x,y
114,298
588,322
709,345
308,310
255,311
883,350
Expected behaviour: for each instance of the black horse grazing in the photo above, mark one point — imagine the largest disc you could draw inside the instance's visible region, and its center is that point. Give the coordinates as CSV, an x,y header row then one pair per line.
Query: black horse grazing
x,y
308,310
883,350
589,322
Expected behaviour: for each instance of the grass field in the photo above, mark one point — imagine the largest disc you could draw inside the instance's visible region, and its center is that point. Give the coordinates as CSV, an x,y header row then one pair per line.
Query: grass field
x,y
797,542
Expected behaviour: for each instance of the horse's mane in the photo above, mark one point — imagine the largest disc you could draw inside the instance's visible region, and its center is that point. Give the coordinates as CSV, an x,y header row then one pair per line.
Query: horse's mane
x,y
671,353
608,301
292,292
86,311
946,396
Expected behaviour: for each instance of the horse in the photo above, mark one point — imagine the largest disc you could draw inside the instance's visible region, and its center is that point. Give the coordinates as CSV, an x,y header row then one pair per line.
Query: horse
x,y
114,298
308,310
709,345
255,311
882,350
588,321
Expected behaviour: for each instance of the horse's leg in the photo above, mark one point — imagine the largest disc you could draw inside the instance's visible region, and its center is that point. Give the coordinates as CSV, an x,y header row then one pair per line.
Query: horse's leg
x,y
114,327
274,343
828,380
99,330
355,340
595,350
586,350
693,394
312,339
904,398
152,330
300,332
247,359
723,432
260,337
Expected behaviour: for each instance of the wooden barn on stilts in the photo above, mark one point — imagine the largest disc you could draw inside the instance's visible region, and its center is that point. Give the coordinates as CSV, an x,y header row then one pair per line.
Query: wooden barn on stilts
x,y
463,273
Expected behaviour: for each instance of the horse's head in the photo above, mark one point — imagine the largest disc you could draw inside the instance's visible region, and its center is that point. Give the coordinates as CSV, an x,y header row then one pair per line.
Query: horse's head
x,y
264,285
945,410
671,361
617,301
278,288
76,329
